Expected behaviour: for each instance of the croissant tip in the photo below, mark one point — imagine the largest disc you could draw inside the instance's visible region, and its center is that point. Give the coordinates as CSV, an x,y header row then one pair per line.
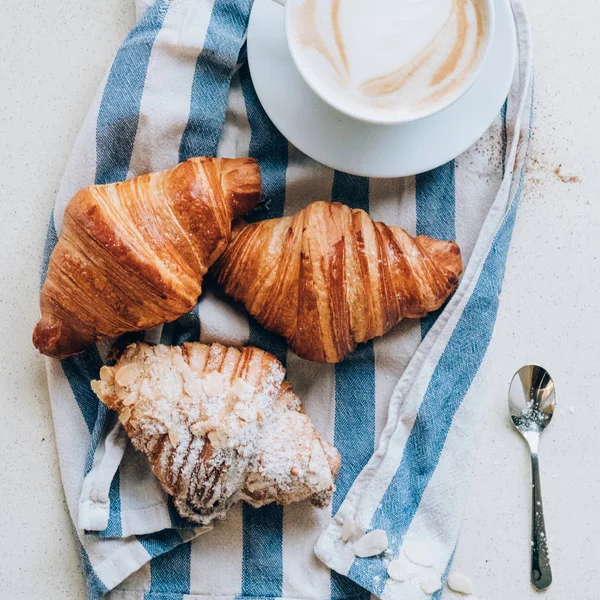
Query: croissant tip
x,y
447,254
242,184
52,339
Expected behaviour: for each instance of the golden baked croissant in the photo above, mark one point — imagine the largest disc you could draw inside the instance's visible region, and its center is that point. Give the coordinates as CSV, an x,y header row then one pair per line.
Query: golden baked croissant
x,y
218,425
132,255
330,277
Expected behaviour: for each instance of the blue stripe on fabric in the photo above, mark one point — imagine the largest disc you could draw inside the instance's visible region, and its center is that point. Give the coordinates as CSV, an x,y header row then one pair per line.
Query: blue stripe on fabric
x,y
447,388
170,573
114,526
262,553
96,589
156,544
184,329
438,595
214,68
119,111
435,208
354,429
51,241
270,149
79,371
116,127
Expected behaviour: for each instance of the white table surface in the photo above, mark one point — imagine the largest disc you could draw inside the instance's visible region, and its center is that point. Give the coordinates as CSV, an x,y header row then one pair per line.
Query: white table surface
x,y
52,57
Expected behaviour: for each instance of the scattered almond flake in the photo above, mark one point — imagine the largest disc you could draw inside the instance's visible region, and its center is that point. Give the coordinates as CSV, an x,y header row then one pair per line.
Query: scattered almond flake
x,y
431,584
348,528
213,383
572,410
371,544
401,570
460,583
418,553
125,415
126,375
214,438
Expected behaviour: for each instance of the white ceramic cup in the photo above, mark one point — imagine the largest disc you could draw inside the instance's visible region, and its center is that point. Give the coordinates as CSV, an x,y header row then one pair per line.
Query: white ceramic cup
x,y
435,107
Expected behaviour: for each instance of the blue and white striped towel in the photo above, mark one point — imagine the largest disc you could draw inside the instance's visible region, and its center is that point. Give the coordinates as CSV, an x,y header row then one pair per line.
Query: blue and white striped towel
x,y
401,410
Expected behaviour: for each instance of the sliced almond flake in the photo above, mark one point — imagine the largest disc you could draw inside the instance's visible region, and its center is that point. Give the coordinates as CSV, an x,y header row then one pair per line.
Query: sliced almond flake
x,y
241,388
106,374
198,428
173,437
400,570
97,386
214,438
128,400
213,383
126,375
179,363
348,528
371,544
241,410
431,584
125,415
419,554
192,387
460,583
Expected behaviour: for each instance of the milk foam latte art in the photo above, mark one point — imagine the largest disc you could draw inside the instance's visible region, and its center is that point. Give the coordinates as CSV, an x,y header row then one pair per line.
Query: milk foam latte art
x,y
386,60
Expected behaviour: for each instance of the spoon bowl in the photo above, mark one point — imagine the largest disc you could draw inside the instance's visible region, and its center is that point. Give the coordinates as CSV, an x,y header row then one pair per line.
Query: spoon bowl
x,y
531,400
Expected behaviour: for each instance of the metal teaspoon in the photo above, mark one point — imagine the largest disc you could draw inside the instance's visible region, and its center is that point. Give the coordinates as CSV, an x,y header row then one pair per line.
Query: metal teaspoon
x,y
531,401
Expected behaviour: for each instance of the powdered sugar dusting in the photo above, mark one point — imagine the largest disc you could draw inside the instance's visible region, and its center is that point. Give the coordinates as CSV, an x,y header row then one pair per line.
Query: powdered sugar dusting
x,y
218,425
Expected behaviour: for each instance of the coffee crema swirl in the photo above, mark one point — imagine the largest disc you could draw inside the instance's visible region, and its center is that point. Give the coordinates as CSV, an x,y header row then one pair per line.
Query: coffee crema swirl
x,y
389,57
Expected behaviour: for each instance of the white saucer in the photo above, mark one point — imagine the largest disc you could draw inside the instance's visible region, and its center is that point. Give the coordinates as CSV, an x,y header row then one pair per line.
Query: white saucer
x,y
359,148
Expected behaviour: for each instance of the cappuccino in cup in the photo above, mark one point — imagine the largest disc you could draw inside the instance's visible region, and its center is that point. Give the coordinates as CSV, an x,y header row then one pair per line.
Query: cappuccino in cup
x,y
389,60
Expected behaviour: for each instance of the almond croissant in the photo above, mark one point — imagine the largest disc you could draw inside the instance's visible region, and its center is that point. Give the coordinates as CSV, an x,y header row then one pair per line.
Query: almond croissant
x,y
330,277
132,255
218,425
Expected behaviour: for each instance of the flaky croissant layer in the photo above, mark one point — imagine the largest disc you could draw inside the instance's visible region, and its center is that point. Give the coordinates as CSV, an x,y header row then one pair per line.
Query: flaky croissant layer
x,y
218,425
330,277
133,254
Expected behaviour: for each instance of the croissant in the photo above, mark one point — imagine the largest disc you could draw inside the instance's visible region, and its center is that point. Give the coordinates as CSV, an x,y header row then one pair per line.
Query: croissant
x,y
218,425
330,277
132,255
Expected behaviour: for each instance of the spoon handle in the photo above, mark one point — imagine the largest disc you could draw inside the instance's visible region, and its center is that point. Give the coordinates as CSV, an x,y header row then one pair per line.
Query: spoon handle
x,y
541,574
